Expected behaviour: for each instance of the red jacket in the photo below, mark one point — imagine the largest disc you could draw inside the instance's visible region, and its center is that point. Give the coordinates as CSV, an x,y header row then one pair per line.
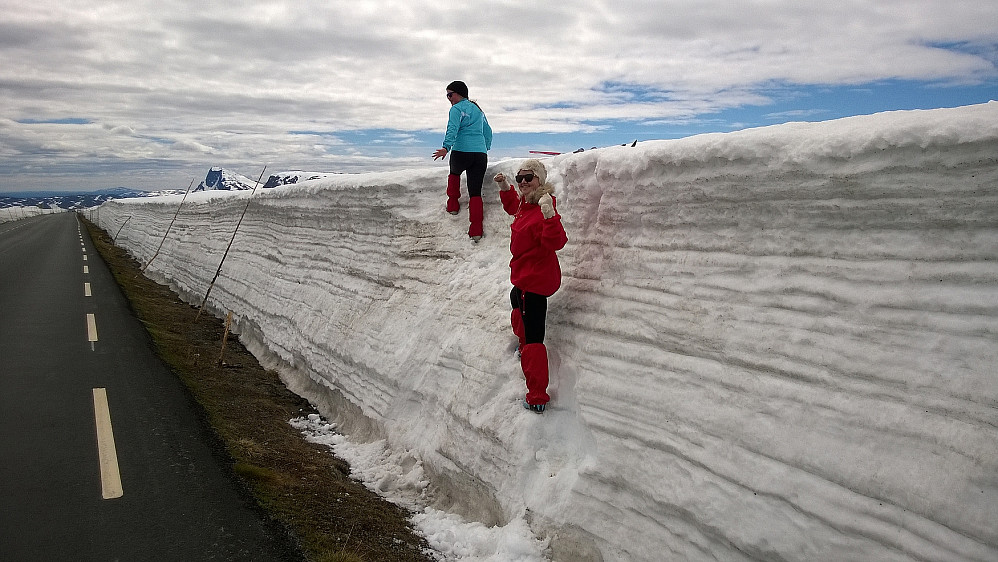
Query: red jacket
x,y
533,243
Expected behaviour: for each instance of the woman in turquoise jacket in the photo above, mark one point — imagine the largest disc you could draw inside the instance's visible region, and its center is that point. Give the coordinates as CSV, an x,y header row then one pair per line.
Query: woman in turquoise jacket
x,y
468,140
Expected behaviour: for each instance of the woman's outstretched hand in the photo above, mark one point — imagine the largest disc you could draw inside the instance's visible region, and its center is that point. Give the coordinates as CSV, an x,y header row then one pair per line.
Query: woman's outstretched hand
x,y
440,153
547,206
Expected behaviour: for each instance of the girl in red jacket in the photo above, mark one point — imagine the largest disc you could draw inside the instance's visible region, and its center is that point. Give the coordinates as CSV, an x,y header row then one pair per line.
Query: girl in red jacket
x,y
537,233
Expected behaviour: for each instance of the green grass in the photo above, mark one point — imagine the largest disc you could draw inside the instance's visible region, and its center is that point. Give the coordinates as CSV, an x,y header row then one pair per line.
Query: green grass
x,y
299,485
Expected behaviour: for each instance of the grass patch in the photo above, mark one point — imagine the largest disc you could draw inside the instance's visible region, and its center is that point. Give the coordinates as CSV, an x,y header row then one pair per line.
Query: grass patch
x,y
255,473
300,485
344,557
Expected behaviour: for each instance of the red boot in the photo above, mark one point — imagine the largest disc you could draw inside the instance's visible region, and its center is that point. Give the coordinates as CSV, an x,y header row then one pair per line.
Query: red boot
x,y
476,212
453,193
534,362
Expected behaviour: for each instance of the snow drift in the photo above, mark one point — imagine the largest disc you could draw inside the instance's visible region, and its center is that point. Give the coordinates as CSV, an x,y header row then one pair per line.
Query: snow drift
x,y
17,212
773,344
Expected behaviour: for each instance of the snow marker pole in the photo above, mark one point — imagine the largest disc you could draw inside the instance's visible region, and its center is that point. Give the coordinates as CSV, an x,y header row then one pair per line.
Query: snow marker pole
x,y
115,239
219,270
168,228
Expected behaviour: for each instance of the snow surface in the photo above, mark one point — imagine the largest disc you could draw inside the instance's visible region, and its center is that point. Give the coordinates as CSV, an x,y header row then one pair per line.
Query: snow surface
x,y
17,212
777,344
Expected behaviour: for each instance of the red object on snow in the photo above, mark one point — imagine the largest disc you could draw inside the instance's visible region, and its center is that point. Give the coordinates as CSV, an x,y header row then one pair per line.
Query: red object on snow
x,y
533,243
534,362
453,193
476,213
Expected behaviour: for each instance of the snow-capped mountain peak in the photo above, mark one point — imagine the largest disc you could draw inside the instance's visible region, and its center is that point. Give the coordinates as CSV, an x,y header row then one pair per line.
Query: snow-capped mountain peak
x,y
221,179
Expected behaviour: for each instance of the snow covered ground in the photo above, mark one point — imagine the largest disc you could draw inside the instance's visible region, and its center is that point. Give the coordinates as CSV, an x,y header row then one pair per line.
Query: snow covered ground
x,y
779,343
9,214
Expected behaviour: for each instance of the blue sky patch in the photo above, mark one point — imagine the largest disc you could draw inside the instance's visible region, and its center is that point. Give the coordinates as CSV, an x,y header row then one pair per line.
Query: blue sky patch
x,y
63,121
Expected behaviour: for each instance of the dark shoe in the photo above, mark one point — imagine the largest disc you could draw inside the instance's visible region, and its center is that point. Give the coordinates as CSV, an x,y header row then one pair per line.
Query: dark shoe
x,y
536,408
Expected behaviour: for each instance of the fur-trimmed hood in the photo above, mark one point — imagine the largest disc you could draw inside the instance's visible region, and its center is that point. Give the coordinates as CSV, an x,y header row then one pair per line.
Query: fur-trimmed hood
x,y
538,193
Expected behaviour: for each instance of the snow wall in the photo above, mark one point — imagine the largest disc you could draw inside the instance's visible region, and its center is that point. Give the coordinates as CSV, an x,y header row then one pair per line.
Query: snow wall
x,y
8,214
779,343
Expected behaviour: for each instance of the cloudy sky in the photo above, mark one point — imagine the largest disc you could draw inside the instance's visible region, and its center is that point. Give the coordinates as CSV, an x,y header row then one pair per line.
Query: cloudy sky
x,y
150,94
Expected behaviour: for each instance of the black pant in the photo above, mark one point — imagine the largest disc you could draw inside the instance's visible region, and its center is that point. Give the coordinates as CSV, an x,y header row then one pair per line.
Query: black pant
x,y
533,310
475,163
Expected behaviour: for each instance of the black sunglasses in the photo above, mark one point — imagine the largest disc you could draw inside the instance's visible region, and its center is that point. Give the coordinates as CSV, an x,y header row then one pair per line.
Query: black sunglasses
x,y
525,178
449,94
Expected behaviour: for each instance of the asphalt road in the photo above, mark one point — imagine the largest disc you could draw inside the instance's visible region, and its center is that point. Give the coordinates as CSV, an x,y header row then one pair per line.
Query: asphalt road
x,y
173,498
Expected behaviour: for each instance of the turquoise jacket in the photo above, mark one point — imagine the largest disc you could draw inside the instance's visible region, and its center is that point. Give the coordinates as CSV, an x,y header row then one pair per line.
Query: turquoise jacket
x,y
467,128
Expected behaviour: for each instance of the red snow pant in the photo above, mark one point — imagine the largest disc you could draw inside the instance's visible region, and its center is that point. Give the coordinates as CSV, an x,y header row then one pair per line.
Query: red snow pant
x,y
527,319
475,164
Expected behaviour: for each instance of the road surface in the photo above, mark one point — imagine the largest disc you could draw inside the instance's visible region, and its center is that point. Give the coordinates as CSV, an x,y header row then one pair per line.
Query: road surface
x,y
104,456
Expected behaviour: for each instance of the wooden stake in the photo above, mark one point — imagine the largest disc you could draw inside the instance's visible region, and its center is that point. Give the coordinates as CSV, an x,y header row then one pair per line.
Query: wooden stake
x,y
225,338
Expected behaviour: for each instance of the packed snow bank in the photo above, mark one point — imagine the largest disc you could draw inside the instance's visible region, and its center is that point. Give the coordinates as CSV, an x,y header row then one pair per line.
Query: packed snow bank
x,y
772,344
16,213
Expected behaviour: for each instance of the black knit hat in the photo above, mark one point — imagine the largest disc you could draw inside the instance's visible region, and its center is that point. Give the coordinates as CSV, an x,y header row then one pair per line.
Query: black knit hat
x,y
458,87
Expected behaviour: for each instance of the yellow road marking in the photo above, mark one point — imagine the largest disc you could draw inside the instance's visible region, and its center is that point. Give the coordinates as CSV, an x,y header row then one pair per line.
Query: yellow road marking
x,y
110,476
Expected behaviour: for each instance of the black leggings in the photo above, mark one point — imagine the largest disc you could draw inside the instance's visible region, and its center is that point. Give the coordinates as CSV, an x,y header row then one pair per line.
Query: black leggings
x,y
475,163
533,310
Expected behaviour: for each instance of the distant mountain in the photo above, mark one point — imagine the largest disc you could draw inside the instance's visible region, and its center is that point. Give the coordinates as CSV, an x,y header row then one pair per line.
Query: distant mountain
x,y
70,199
117,192
222,179
289,178
217,179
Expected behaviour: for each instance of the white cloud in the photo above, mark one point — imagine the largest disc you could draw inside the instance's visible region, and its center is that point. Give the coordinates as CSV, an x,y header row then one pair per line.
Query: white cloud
x,y
237,76
192,146
796,114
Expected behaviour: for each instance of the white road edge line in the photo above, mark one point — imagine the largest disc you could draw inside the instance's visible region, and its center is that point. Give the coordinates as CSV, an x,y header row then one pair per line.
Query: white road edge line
x,y
110,476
